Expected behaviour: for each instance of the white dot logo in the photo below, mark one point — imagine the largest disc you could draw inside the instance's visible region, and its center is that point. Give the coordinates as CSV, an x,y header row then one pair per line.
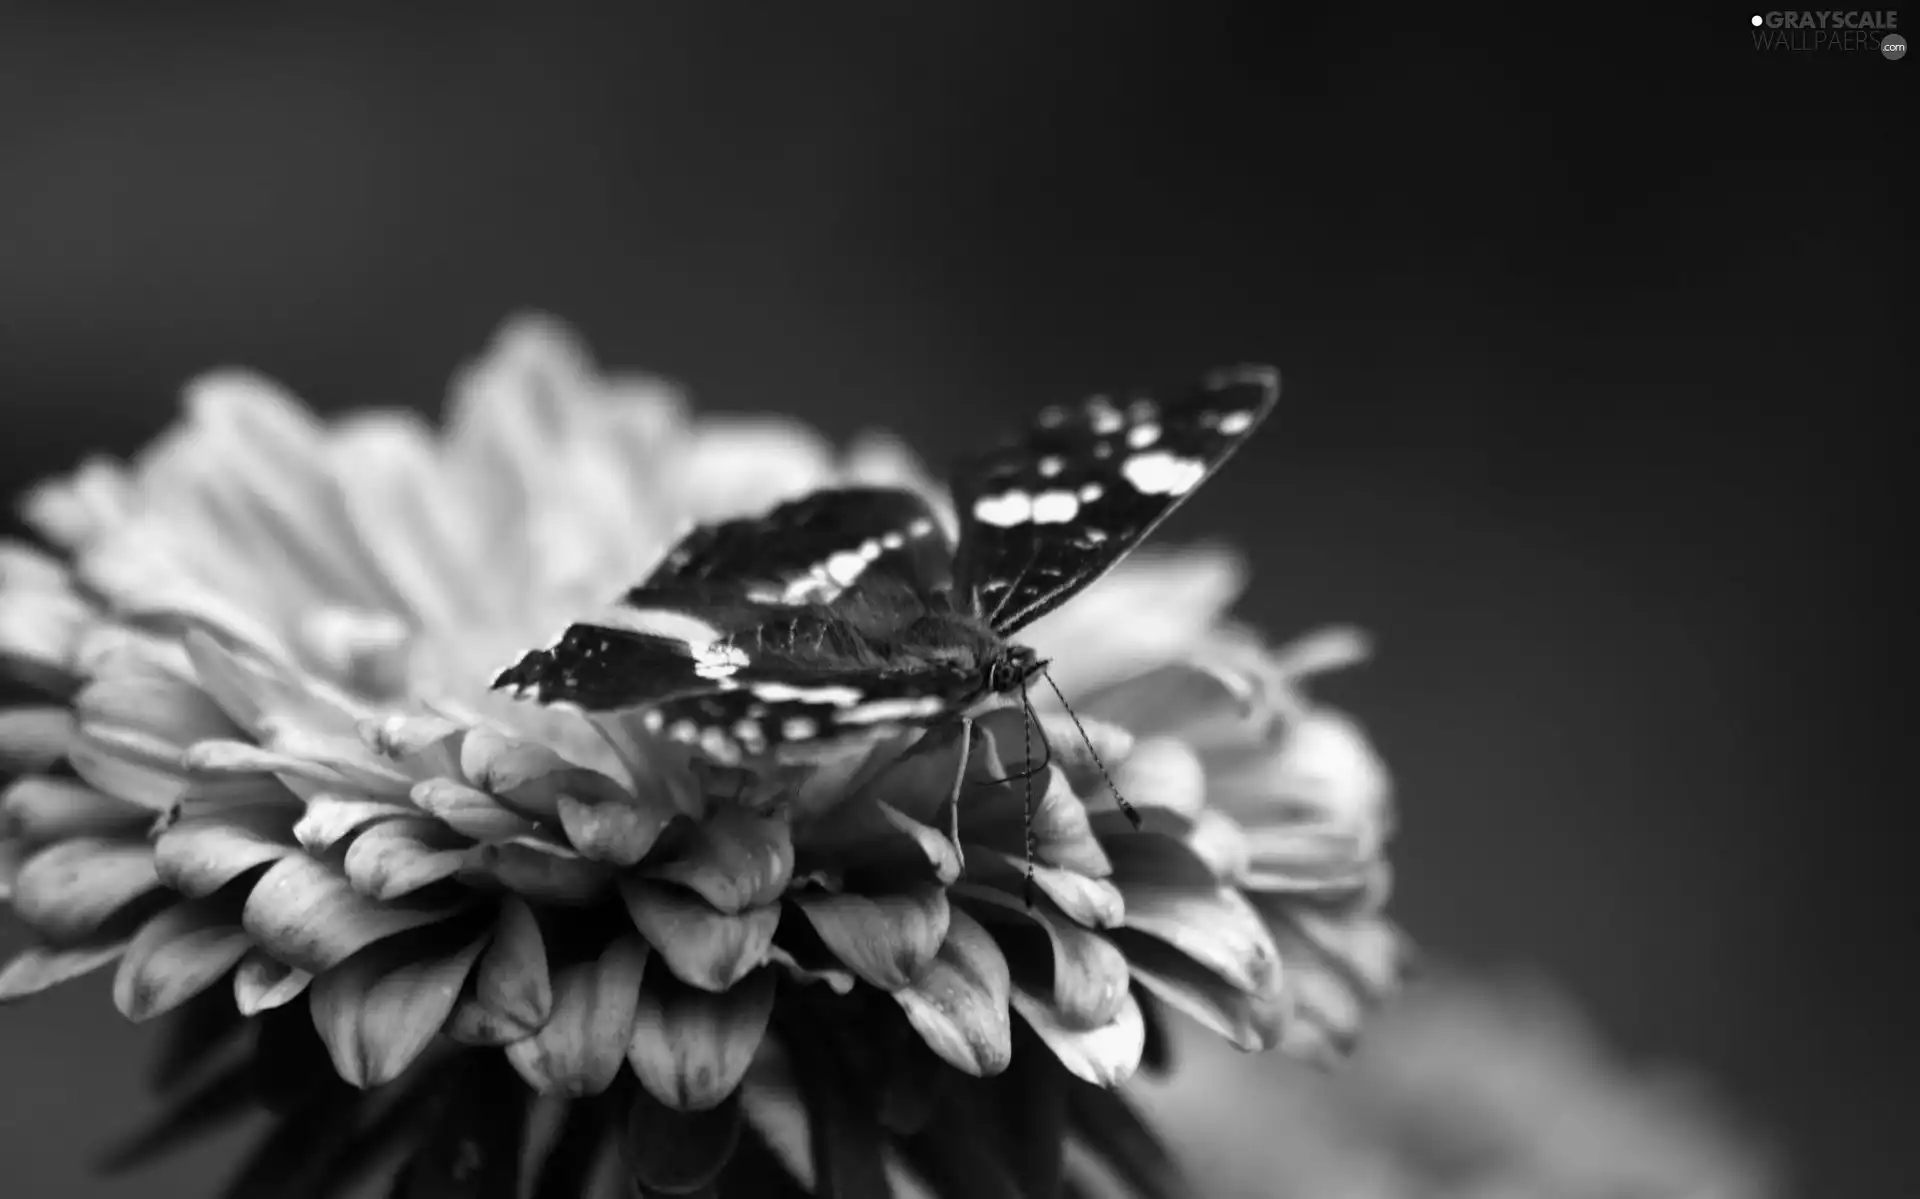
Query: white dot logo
x,y
1757,22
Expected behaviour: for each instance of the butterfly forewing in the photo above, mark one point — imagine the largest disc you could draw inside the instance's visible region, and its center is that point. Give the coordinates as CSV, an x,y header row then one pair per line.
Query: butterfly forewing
x,y
1047,514
811,549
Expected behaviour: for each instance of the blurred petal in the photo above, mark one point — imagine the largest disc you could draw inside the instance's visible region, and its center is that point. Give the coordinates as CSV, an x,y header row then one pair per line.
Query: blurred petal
x,y
32,739
581,1046
710,949
67,891
38,810
176,955
378,1010
199,856
691,1048
888,940
959,1006
36,969
1163,773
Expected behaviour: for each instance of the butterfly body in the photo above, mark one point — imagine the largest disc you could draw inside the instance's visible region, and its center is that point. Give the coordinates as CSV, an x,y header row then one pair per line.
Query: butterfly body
x,y
847,613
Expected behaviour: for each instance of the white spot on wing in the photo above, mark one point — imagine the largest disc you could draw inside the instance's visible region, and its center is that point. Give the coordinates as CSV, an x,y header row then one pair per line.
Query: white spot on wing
x,y
1090,492
715,745
1160,473
657,622
845,566
799,728
1107,420
832,694
651,720
1142,436
1004,510
892,541
882,711
1054,508
1051,465
718,660
1235,423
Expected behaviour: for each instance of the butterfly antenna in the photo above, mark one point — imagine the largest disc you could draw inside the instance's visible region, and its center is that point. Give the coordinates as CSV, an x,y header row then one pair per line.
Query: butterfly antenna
x,y
1132,814
1026,793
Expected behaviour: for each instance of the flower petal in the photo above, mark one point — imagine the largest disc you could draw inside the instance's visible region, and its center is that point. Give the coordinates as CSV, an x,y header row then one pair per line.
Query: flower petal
x,y
512,994
38,968
396,858
528,775
1081,974
710,949
39,810
1217,928
690,1047
580,1048
1093,902
153,702
39,632
199,855
1252,1022
331,817
1163,773
678,1152
470,810
736,859
66,892
378,1010
959,1006
32,739
888,940
864,835
261,983
619,832
178,954
1105,1056
538,871
308,916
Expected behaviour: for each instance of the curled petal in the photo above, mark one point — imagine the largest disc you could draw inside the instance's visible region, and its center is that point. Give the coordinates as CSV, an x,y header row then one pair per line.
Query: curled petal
x,y
331,818
710,949
470,811
673,1151
261,984
66,892
1250,1021
841,982
378,1010
200,855
38,968
959,1005
1093,902
512,992
863,835
1105,1056
38,810
690,1047
39,631
619,832
528,775
32,739
538,871
888,940
176,955
308,916
581,1046
395,858
1217,928
736,859
1080,973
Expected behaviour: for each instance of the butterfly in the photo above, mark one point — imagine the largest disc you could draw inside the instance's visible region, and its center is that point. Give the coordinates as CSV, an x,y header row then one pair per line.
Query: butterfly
x,y
847,614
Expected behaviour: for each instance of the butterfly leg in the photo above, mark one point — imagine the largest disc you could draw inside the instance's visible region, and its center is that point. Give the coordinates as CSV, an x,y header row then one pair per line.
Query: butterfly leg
x,y
959,781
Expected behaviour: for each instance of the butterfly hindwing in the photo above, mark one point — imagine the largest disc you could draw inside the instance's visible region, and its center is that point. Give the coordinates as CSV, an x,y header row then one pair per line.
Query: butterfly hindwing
x,y
1047,514
810,549
769,712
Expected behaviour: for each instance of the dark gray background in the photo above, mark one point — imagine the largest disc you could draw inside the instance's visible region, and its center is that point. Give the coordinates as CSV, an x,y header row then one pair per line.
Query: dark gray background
x,y
1588,326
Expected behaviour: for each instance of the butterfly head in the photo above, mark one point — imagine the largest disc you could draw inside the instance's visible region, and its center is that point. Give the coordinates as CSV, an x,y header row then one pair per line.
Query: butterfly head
x,y
1012,668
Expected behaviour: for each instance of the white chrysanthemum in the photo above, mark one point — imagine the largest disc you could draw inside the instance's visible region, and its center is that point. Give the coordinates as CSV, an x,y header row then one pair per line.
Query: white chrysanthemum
x,y
272,771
